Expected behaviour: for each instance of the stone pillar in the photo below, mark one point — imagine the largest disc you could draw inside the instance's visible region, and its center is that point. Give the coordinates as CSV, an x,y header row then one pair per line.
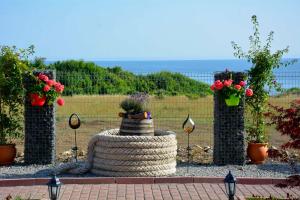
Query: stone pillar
x,y
229,142
39,129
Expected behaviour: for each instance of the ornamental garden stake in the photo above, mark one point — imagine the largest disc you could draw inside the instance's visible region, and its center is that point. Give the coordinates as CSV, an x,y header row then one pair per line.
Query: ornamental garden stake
x,y
74,123
188,127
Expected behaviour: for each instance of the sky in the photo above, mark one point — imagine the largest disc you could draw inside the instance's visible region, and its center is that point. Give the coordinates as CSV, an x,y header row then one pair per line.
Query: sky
x,y
145,29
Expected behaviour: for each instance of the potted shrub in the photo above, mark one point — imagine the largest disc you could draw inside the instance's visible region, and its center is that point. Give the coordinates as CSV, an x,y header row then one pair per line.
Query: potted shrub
x,y
12,68
137,118
261,79
230,91
45,91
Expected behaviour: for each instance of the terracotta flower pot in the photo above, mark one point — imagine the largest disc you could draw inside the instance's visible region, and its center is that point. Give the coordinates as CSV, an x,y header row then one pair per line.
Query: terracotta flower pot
x,y
232,101
257,152
7,153
36,100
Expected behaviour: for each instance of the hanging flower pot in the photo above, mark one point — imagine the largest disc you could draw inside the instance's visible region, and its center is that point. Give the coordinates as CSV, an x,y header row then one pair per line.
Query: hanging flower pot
x,y
45,90
36,100
232,100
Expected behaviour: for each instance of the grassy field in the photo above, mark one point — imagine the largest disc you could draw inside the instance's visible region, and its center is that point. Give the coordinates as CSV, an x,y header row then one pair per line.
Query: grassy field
x,y
101,112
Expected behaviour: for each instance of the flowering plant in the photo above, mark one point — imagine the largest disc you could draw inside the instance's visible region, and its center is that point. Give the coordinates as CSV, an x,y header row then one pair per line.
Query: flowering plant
x,y
230,91
46,90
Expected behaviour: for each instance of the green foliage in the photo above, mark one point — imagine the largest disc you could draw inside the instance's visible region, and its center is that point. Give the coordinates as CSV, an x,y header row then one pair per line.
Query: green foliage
x,y
136,103
13,64
81,77
260,78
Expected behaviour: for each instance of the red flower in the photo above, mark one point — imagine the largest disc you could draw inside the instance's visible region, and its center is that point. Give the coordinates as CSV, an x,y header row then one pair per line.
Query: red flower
x,y
242,83
60,101
249,92
50,82
212,87
218,85
228,82
46,88
238,87
43,77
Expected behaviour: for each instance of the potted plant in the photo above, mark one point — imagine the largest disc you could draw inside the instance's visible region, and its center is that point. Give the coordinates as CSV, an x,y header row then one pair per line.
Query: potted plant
x,y
13,65
261,79
137,118
230,91
45,91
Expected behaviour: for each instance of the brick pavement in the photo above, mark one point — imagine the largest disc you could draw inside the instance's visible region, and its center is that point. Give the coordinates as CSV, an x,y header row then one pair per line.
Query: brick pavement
x,y
193,191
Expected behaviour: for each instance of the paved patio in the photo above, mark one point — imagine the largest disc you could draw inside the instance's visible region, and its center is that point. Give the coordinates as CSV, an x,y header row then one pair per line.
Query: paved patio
x,y
146,191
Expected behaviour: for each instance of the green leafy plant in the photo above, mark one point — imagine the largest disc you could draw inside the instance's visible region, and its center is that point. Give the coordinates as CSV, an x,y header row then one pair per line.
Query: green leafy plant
x,y
288,197
13,64
260,78
136,103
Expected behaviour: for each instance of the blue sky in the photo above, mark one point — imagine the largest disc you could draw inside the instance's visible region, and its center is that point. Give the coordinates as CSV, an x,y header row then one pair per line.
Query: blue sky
x,y
145,29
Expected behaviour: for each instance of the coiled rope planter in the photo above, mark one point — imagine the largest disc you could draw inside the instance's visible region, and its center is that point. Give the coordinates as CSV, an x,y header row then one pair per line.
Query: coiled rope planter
x,y
110,154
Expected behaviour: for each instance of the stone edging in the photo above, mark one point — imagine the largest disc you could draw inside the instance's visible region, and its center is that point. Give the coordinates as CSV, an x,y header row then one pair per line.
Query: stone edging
x,y
136,180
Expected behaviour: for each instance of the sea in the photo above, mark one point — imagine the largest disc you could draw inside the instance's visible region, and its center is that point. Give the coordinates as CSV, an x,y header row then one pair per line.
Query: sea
x,y
202,70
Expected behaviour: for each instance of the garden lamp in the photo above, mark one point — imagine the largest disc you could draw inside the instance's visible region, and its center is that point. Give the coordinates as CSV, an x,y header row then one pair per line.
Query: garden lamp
x,y
188,127
230,185
74,123
54,187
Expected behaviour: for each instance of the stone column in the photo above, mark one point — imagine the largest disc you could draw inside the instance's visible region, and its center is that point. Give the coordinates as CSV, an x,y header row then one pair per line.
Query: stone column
x,y
229,142
39,129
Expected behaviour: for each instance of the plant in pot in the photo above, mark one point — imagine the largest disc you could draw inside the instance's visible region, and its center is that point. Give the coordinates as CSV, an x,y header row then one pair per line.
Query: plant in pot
x,y
261,80
13,65
230,91
45,91
137,118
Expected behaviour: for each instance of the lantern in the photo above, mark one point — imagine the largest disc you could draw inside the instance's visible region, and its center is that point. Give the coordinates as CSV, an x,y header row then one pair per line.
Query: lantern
x,y
230,185
54,187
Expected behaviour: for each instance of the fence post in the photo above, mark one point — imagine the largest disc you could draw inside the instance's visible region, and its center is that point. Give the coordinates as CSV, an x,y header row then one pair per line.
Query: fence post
x,y
229,142
39,128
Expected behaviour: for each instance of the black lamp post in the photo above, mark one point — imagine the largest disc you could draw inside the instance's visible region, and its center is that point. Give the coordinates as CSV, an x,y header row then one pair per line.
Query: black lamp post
x,y
54,187
74,123
230,185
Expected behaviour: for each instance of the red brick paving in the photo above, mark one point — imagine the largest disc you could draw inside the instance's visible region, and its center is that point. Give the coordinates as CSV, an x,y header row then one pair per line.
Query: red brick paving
x,y
187,191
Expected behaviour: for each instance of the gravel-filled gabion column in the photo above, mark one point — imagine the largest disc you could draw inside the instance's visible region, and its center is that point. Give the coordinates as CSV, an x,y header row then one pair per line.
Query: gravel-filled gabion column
x,y
229,147
39,129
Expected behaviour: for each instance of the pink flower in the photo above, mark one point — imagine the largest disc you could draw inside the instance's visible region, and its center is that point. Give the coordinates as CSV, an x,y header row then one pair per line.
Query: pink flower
x,y
218,85
60,101
228,82
238,87
50,82
43,77
59,87
249,92
46,88
212,87
242,83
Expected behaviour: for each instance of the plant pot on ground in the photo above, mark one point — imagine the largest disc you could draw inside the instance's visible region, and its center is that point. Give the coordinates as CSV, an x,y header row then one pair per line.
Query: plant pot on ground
x,y
261,80
137,117
12,69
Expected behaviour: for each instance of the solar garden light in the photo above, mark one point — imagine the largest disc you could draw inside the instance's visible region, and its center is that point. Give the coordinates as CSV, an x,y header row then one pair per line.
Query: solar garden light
x,y
74,123
230,185
54,187
188,127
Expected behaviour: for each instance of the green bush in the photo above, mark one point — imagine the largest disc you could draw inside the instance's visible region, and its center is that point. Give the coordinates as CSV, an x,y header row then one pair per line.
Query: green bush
x,y
81,77
13,65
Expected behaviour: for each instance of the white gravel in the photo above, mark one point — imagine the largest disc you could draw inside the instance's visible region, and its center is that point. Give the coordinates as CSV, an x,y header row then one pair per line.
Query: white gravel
x,y
264,170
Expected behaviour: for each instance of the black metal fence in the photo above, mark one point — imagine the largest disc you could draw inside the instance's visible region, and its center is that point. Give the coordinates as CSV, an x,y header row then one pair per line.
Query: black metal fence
x,y
100,112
